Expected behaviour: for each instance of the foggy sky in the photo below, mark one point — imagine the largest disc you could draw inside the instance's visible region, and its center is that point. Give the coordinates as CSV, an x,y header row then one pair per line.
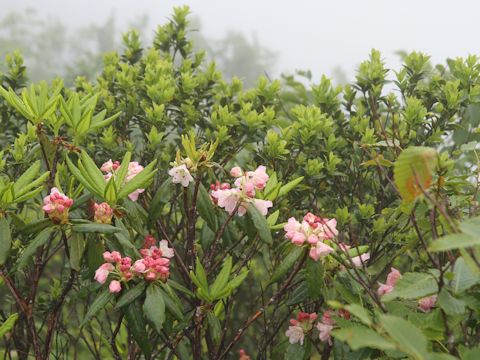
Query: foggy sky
x,y
315,35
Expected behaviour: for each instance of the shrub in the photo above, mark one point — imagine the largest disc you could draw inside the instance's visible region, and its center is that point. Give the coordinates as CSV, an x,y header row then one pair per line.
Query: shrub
x,y
162,211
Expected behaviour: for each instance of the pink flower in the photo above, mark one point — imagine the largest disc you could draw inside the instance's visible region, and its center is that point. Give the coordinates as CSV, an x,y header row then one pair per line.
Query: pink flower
x,y
295,334
107,166
236,172
427,303
393,276
149,241
325,332
103,213
111,257
298,238
139,266
392,279
291,227
134,195
102,272
259,177
329,228
384,289
180,175
227,199
133,170
262,206
57,205
115,286
314,230
319,250
243,355
358,261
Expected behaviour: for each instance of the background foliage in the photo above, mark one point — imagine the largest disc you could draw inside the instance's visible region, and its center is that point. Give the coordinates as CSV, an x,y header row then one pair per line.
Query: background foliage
x,y
342,146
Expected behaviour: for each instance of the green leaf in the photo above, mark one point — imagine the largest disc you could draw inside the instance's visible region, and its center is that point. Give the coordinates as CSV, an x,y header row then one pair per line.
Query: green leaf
x,y
413,171
295,352
454,241
39,240
162,196
154,307
35,226
471,354
95,228
201,275
24,182
272,218
360,312
290,186
205,208
359,336
77,247
123,170
221,280
172,303
5,240
85,181
130,295
260,224
464,278
140,181
288,261
136,324
413,286
92,172
449,304
409,338
214,326
238,280
99,303
8,324
110,193
314,278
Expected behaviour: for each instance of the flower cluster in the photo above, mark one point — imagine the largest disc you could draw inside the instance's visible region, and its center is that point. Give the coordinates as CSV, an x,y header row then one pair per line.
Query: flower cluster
x,y
424,304
154,265
304,324
312,230
155,262
56,206
242,195
134,168
102,213
300,326
119,266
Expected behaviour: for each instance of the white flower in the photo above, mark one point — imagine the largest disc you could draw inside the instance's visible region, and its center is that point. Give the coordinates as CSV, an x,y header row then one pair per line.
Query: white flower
x,y
180,175
325,331
166,251
295,334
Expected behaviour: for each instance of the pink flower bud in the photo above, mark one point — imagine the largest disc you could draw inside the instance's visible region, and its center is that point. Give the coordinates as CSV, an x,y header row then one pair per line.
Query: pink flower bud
x,y
236,172
108,257
298,238
56,206
103,213
115,286
139,266
116,256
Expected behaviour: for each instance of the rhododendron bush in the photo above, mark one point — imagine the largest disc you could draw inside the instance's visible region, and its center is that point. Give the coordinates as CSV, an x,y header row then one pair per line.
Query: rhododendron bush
x,y
163,212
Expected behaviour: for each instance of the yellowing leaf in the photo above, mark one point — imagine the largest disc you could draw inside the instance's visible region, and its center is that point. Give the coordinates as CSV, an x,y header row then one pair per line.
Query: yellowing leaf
x,y
413,171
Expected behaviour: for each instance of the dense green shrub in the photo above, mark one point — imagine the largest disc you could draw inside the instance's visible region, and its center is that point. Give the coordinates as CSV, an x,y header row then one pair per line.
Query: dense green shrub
x,y
388,269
